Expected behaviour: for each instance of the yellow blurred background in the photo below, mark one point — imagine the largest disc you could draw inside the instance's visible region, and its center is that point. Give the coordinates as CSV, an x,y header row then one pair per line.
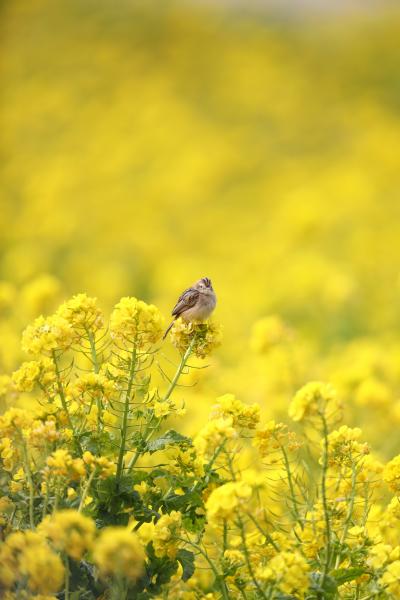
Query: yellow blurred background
x,y
147,144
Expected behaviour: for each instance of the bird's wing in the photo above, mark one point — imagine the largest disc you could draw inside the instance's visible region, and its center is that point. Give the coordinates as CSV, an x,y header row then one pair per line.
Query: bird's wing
x,y
186,300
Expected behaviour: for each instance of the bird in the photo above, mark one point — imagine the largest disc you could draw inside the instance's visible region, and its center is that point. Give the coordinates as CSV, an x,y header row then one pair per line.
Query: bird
x,y
195,304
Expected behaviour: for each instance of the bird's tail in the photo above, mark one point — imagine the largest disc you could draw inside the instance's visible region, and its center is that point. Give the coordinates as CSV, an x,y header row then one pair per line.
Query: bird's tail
x,y
169,327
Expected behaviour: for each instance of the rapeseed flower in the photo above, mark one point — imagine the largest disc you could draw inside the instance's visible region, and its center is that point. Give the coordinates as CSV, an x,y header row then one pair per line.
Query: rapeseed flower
x,y
315,399
134,321
47,335
82,313
289,572
119,553
204,337
243,416
69,531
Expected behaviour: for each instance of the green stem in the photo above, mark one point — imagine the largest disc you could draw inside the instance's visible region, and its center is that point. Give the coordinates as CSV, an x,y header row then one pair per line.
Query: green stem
x,y
118,590
96,368
247,558
30,484
86,490
64,404
67,574
148,435
179,370
291,486
46,501
264,533
349,513
218,577
243,536
225,536
92,342
124,426
324,498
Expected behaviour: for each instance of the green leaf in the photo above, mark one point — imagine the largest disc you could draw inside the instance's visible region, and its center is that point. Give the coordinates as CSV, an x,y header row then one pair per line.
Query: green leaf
x,y
169,438
186,559
329,587
181,501
344,575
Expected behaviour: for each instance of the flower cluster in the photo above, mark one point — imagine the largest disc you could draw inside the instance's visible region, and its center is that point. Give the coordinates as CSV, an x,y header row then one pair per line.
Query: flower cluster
x,y
69,531
133,319
91,386
82,313
391,474
46,335
225,499
41,372
62,463
202,338
27,555
212,435
165,533
242,415
344,447
119,553
274,436
289,571
315,399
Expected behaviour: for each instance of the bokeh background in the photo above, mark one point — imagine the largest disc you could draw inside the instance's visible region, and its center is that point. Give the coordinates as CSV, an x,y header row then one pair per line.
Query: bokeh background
x,y
146,144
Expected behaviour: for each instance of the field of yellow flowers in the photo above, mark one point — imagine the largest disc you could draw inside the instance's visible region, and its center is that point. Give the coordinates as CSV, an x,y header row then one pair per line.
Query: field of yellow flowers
x,y
255,456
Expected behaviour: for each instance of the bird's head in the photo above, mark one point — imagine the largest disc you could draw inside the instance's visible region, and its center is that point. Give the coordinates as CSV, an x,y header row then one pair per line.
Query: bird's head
x,y
204,285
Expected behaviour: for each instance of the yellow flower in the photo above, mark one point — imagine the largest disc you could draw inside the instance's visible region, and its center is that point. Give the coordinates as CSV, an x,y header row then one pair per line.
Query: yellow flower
x,y
8,454
15,422
69,531
60,462
394,507
164,534
119,553
391,474
26,554
46,335
233,558
91,386
390,580
212,435
43,432
355,536
71,493
43,568
187,462
242,415
162,409
378,555
224,500
289,571
274,436
26,376
82,313
205,337
105,467
344,447
134,321
315,399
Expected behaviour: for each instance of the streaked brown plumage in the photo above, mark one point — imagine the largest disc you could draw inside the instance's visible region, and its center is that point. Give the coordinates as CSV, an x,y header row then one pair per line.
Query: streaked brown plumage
x,y
196,303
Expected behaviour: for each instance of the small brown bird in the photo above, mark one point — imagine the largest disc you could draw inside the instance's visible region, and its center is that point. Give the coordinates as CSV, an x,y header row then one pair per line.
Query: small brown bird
x,y
196,303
